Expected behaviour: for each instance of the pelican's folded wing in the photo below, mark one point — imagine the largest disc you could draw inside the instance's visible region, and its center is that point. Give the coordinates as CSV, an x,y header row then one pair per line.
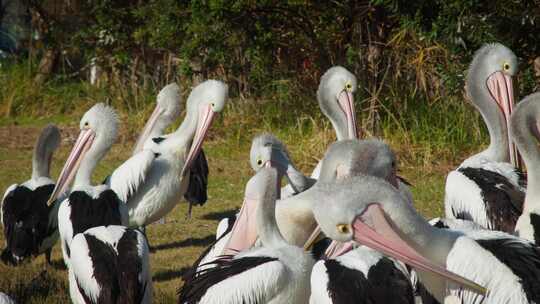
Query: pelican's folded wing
x,y
127,178
250,279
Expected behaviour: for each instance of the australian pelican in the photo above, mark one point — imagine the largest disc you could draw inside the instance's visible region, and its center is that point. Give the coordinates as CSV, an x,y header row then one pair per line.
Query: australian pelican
x,y
152,181
487,188
477,266
274,273
30,225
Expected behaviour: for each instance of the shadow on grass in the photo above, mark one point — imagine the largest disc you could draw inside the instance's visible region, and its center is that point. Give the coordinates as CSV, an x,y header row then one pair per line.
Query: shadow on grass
x,y
219,215
199,242
168,275
39,287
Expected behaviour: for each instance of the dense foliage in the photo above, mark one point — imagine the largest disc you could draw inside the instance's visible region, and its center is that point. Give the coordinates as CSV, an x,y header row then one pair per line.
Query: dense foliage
x,y
400,50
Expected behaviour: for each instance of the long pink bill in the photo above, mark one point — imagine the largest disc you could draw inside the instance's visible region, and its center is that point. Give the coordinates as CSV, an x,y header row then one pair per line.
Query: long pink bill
x,y
206,117
346,102
336,249
83,143
244,232
147,129
383,238
501,88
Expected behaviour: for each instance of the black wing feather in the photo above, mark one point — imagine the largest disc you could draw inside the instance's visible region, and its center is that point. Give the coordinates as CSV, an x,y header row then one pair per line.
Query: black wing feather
x,y
522,258
87,212
26,221
196,193
503,200
222,268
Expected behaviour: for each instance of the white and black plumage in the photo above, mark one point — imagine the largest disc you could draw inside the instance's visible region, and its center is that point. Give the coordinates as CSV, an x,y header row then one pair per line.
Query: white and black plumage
x,y
30,225
370,211
486,188
238,233
110,264
152,181
88,206
362,275
525,132
348,274
274,273
454,224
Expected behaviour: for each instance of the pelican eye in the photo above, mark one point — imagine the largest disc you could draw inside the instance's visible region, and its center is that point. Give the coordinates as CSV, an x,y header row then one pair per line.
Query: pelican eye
x,y
506,66
86,124
348,86
213,105
259,162
343,228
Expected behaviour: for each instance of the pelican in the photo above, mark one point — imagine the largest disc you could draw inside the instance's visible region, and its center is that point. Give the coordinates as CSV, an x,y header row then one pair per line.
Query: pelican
x,y
152,181
274,273
362,272
294,215
110,264
492,266
166,112
88,206
236,234
524,131
30,226
336,100
486,188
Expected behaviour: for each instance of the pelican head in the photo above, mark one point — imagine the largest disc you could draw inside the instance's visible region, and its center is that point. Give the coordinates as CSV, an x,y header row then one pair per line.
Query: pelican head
x,y
267,150
353,157
167,110
490,88
370,211
206,99
99,128
335,95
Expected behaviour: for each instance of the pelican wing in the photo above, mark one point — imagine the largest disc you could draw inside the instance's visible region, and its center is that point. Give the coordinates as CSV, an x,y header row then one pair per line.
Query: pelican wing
x,y
484,195
127,178
110,263
9,189
198,181
250,279
507,266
